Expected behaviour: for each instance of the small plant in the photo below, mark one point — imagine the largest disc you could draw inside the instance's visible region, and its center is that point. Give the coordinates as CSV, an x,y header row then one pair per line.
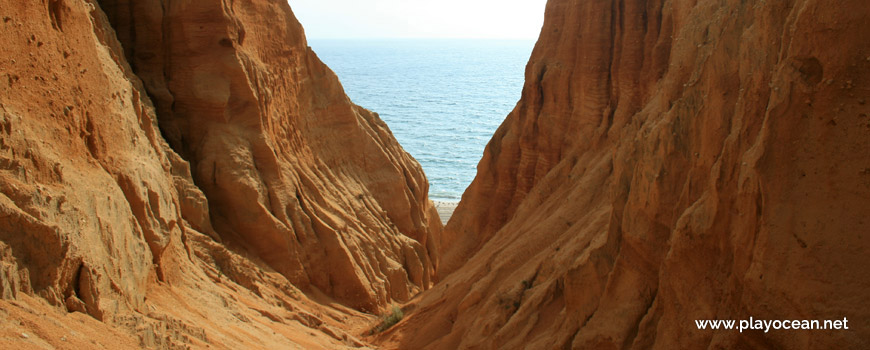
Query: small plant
x,y
394,316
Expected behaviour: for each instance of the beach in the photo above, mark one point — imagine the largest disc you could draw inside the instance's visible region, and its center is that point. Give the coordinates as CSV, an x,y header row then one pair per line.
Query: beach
x,y
445,210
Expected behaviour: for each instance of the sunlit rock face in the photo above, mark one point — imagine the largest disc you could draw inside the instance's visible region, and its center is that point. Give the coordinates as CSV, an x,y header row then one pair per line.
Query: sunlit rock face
x,y
189,173
669,161
310,183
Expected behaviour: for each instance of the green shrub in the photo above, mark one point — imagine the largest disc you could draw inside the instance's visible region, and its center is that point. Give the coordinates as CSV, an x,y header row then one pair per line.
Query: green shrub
x,y
391,318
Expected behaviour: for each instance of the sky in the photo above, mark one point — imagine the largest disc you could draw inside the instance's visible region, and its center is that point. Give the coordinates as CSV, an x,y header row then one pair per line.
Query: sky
x,y
358,19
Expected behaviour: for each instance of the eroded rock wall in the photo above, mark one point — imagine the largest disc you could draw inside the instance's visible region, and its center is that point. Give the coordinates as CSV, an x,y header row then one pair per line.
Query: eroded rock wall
x,y
90,204
312,184
217,189
669,161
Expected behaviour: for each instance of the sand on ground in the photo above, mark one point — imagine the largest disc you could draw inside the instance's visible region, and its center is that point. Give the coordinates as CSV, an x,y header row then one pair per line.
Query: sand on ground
x,y
445,210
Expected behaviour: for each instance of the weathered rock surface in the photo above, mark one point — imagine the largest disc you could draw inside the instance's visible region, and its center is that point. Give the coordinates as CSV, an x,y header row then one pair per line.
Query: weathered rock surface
x,y
293,171
669,161
273,197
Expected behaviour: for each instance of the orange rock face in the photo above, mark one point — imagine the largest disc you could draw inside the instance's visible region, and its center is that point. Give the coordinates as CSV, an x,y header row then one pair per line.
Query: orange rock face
x,y
293,171
204,181
669,161
191,175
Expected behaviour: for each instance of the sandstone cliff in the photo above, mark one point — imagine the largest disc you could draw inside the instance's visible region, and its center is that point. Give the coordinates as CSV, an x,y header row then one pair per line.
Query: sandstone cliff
x,y
670,160
312,184
204,181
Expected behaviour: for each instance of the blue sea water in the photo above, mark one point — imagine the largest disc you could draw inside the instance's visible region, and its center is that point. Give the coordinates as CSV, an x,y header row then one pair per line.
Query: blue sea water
x,y
442,98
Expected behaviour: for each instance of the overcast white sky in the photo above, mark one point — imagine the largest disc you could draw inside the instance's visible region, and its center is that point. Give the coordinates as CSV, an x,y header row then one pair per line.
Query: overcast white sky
x,y
346,19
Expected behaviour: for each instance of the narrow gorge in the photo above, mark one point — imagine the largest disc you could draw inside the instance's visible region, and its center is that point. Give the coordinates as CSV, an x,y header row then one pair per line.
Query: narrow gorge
x,y
189,175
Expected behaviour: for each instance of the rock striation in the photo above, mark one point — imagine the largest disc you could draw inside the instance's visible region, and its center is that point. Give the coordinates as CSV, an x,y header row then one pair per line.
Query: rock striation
x,y
293,171
191,174
669,161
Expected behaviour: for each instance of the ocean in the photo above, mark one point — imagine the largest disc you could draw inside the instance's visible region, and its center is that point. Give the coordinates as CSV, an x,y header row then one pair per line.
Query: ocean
x,y
442,98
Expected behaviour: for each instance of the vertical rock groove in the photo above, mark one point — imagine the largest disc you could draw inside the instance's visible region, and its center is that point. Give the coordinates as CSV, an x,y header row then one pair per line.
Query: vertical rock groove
x,y
691,160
